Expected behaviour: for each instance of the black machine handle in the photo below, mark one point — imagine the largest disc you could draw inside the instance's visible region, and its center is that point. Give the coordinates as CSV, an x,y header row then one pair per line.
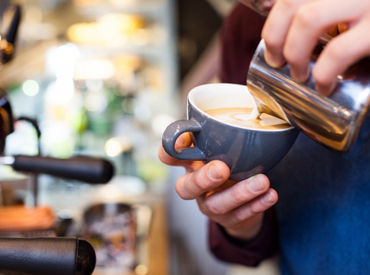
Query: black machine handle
x,y
86,169
11,34
57,256
8,41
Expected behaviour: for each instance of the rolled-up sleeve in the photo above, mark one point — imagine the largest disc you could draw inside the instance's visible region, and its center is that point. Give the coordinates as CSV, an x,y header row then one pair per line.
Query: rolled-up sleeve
x,y
249,253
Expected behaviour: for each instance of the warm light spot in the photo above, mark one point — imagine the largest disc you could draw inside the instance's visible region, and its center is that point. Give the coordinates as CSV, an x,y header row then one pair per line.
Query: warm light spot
x,y
113,147
98,68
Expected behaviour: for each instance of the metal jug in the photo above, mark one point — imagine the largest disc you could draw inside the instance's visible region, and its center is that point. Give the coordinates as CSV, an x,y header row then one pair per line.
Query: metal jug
x,y
333,121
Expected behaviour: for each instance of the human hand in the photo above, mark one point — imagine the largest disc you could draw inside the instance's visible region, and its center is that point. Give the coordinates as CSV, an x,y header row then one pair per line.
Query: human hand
x,y
237,206
294,26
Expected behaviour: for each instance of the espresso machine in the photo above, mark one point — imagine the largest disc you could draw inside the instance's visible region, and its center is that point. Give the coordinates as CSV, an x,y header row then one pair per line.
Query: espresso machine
x,y
42,255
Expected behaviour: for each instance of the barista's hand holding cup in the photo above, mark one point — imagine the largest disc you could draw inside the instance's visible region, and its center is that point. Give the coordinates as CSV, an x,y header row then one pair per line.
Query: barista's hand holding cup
x,y
225,137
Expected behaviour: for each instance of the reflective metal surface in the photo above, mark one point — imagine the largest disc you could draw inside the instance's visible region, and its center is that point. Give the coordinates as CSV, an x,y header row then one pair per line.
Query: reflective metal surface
x,y
333,121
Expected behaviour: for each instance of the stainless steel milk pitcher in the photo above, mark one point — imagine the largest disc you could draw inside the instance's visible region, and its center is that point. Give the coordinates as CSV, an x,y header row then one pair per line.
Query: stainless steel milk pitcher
x,y
333,121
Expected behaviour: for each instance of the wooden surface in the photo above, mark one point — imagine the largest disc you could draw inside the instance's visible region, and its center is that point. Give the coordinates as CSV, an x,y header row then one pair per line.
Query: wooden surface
x,y
158,242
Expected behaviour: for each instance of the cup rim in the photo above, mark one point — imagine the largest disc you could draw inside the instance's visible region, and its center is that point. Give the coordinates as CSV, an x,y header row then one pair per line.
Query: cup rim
x,y
191,101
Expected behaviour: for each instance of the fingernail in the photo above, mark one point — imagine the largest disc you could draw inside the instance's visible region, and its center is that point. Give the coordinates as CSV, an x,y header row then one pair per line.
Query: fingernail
x,y
325,90
301,76
214,173
273,61
269,198
256,184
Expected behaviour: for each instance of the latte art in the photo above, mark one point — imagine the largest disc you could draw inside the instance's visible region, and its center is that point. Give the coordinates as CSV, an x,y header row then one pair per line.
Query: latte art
x,y
242,117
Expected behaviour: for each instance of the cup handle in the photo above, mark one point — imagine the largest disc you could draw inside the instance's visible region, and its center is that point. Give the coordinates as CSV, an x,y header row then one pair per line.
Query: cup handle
x,y
173,131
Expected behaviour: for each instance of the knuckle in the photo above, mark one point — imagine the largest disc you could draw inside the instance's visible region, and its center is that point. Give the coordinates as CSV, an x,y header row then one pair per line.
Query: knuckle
x,y
288,4
204,208
241,215
273,42
265,34
306,15
335,49
255,208
203,184
211,207
291,56
265,180
238,194
333,53
182,195
180,191
201,179
320,77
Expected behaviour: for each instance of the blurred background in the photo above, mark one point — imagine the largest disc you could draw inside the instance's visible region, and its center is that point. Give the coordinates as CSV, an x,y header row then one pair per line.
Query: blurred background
x,y
104,78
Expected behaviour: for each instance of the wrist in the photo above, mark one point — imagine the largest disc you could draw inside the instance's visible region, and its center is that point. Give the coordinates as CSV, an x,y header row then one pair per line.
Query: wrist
x,y
247,230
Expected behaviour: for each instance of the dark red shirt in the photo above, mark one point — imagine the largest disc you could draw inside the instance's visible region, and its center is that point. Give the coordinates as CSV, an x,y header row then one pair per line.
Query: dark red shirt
x,y
240,36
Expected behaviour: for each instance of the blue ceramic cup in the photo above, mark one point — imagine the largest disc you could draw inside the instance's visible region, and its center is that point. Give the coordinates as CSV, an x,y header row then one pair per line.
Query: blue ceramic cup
x,y
247,151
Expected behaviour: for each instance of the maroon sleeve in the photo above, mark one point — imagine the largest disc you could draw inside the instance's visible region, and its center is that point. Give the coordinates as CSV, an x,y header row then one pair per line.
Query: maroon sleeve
x,y
249,253
241,34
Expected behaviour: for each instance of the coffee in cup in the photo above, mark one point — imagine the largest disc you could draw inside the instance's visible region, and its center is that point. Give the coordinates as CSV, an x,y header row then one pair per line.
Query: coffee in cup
x,y
226,125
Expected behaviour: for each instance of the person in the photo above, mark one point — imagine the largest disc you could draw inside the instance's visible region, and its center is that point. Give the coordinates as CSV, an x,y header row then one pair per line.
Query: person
x,y
321,223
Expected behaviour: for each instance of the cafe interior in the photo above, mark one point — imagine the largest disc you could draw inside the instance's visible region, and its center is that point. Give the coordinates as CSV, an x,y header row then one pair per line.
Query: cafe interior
x,y
87,89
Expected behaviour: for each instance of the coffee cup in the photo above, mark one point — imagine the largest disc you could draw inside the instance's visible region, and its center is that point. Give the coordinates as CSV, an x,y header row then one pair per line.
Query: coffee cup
x,y
248,148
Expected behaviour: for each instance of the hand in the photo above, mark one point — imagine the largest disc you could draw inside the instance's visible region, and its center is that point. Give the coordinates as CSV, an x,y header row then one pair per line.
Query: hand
x,y
294,26
238,206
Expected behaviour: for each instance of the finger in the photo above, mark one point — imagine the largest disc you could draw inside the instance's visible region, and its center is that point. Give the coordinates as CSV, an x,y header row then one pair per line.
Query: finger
x,y
251,209
189,166
237,195
206,178
276,28
339,54
309,22
182,141
167,159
